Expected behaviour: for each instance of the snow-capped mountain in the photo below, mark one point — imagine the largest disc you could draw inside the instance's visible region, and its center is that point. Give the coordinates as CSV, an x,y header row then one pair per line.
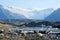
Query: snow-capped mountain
x,y
55,16
7,14
20,13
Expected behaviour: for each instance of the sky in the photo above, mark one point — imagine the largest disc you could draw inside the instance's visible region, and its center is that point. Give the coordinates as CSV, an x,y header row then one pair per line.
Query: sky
x,y
31,3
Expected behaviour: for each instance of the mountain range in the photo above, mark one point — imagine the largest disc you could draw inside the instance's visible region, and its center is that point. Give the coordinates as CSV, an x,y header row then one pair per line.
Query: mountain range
x,y
7,14
19,13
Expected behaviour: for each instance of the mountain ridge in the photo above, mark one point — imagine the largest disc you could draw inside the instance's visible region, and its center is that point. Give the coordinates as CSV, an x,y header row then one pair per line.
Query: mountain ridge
x,y
6,14
54,16
19,13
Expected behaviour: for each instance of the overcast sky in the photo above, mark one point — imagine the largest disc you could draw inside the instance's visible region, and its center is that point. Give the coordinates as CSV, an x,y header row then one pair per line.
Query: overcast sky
x,y
31,3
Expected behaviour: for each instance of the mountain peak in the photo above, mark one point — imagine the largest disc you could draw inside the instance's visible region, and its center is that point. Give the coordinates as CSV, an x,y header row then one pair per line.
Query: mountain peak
x,y
54,16
5,13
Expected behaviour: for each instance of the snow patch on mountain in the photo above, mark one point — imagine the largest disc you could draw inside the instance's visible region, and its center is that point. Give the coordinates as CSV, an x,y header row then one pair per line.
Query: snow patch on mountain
x,y
34,13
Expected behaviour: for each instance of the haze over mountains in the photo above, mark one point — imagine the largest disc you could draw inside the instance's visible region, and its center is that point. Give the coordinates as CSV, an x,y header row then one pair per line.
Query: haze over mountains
x,y
41,14
19,13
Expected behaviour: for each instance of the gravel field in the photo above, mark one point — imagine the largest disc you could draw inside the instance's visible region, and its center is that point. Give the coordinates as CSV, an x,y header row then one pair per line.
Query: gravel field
x,y
5,36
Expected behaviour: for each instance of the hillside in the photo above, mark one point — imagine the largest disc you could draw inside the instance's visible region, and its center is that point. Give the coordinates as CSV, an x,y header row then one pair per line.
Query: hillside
x,y
55,16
